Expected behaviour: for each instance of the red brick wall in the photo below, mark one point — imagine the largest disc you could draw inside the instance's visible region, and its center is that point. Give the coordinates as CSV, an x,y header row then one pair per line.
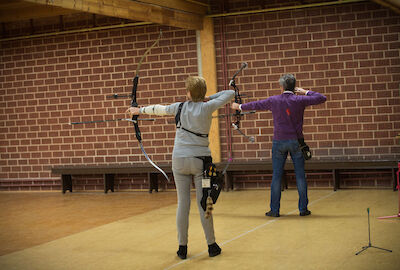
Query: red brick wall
x,y
350,53
46,83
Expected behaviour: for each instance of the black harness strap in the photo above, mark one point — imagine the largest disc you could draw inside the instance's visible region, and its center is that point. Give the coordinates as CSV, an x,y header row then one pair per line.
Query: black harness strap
x,y
179,125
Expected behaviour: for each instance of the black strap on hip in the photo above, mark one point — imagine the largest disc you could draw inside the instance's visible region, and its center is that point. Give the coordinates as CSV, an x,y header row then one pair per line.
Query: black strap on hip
x,y
207,161
179,125
210,171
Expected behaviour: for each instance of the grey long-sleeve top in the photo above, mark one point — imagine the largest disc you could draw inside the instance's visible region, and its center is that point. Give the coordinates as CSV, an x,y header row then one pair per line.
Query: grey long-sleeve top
x,y
196,117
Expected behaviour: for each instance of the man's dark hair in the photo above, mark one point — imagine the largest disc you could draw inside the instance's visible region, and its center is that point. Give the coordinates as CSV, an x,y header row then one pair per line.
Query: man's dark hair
x,y
288,81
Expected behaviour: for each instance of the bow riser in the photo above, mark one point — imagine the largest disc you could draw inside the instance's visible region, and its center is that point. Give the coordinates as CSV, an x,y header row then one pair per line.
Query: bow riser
x,y
134,89
134,104
238,99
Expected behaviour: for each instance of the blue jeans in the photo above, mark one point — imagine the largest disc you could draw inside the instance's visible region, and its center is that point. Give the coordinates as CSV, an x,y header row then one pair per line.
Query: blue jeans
x,y
280,150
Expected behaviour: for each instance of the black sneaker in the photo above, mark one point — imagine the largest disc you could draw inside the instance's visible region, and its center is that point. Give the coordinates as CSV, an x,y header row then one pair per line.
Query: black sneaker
x,y
305,213
272,214
214,250
182,252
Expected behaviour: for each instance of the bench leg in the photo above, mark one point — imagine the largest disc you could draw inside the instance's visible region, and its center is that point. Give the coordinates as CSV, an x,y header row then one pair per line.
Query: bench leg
x,y
228,181
66,180
153,182
336,179
108,182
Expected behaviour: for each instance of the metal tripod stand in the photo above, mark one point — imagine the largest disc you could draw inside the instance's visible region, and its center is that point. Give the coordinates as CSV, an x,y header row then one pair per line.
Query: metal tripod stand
x,y
369,240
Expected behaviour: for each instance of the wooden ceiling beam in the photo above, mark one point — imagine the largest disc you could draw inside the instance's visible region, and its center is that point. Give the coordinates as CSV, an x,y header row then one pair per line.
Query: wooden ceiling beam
x,y
392,4
28,12
130,10
180,5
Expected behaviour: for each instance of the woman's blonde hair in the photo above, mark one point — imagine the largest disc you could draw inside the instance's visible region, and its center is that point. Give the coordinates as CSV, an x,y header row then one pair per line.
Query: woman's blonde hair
x,y
197,87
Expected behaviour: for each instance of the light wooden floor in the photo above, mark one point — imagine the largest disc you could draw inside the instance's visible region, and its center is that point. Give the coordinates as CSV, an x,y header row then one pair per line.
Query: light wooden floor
x,y
136,230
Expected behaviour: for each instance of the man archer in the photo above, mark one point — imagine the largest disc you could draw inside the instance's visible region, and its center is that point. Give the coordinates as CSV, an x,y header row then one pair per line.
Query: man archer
x,y
287,112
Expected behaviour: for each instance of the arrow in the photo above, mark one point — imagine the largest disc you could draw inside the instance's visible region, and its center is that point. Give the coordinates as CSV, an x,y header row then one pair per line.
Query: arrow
x,y
111,120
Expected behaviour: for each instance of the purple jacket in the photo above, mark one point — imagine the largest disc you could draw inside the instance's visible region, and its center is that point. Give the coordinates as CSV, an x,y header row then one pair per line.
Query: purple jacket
x,y
287,112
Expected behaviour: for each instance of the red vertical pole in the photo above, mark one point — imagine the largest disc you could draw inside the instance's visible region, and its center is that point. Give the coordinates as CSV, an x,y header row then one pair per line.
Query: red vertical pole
x,y
398,190
398,184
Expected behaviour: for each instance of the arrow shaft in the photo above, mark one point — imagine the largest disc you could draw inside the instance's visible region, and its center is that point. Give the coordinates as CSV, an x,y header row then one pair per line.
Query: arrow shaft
x,y
110,120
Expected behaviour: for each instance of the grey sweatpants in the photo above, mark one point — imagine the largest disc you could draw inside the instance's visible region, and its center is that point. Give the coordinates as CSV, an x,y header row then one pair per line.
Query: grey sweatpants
x,y
183,170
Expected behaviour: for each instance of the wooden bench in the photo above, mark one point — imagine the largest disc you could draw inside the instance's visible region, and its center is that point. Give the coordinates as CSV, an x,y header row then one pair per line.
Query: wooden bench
x,y
109,172
253,167
335,167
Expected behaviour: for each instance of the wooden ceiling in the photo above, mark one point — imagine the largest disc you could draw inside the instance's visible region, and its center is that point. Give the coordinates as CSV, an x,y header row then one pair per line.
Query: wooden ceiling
x,y
392,4
186,14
